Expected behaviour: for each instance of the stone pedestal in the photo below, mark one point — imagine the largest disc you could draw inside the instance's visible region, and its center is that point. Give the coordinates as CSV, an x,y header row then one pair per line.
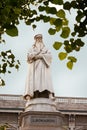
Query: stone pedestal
x,y
41,114
41,104
36,120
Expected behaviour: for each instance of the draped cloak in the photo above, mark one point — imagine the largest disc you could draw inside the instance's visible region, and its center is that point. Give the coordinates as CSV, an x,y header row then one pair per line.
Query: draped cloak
x,y
39,74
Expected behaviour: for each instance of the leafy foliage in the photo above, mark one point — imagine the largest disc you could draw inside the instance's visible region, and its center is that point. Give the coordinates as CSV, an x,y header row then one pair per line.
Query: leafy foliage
x,y
62,55
6,126
12,31
57,45
80,27
31,11
65,32
8,61
3,127
70,64
80,30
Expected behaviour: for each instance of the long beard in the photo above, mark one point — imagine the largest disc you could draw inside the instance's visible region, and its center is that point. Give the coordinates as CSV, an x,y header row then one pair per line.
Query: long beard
x,y
39,45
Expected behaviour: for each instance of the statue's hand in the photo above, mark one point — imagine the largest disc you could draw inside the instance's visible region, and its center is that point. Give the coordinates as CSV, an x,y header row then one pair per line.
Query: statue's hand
x,y
38,57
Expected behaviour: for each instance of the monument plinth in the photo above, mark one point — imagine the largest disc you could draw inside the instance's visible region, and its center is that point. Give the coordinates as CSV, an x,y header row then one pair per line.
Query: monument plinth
x,y
40,110
41,104
38,120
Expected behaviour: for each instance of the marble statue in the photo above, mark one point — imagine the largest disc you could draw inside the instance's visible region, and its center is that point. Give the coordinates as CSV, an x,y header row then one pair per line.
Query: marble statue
x,y
39,82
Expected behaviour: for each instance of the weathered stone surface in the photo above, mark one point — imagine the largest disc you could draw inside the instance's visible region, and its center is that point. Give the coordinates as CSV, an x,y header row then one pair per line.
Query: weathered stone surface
x,y
73,109
42,120
41,104
10,119
11,101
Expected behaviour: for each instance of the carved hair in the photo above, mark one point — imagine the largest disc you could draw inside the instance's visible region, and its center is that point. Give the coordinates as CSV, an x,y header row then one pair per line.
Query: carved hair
x,y
38,36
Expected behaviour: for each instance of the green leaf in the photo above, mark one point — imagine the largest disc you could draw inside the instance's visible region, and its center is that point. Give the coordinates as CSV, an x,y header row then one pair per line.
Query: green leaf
x,y
9,72
17,67
58,2
73,34
4,65
52,31
79,42
28,22
62,55
3,60
58,23
17,10
65,32
12,31
66,42
34,12
72,40
2,83
58,28
46,19
57,45
65,22
18,62
51,10
9,51
34,26
68,48
61,13
11,56
3,54
52,20
77,48
41,8
70,65
72,59
79,17
74,4
67,6
11,65
46,2
38,18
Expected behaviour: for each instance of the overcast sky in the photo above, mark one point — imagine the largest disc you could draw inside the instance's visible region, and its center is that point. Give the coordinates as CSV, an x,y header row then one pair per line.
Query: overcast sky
x,y
69,83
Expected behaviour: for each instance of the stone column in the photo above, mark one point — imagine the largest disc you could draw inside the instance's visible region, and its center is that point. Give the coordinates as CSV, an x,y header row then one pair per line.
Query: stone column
x,y
71,122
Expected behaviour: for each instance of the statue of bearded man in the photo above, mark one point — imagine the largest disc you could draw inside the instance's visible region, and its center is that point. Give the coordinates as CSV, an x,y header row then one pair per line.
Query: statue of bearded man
x,y
39,82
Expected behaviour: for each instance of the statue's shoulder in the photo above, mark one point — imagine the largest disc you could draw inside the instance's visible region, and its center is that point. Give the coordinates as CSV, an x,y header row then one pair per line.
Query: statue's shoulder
x,y
32,49
47,49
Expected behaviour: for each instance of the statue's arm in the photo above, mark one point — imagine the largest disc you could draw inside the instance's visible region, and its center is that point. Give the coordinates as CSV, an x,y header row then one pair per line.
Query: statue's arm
x,y
46,57
30,56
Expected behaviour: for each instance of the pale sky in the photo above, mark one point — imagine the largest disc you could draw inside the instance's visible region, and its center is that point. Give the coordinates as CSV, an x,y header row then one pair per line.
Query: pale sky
x,y
69,83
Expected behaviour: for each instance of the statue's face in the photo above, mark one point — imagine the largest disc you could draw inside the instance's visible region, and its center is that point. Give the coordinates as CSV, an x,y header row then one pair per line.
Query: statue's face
x,y
39,39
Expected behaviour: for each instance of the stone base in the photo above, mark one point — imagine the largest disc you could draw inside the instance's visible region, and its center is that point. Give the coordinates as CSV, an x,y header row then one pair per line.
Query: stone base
x,y
41,104
36,120
41,114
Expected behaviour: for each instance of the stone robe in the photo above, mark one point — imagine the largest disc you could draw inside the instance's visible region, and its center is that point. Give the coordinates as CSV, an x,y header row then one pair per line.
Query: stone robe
x,y
39,74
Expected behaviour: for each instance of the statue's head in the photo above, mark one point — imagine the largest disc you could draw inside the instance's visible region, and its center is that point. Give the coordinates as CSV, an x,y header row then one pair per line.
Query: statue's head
x,y
38,41
38,38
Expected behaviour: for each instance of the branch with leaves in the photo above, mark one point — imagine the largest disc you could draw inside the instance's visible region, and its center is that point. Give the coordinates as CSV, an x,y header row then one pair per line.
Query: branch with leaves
x,y
8,61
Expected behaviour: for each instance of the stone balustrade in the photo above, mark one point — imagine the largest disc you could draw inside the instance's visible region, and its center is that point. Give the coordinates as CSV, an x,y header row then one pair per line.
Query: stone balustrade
x,y
11,97
72,104
74,109
63,103
68,100
71,100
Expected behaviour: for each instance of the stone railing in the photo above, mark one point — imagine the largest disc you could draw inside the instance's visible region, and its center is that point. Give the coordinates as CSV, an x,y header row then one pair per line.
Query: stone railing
x,y
62,103
71,100
11,97
66,100
71,104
